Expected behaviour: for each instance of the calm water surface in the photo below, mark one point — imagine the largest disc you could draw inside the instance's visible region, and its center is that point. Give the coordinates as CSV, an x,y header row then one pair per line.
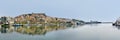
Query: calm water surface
x,y
85,32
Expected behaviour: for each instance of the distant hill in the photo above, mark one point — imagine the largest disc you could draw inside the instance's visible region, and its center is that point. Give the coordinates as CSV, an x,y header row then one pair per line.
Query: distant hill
x,y
40,18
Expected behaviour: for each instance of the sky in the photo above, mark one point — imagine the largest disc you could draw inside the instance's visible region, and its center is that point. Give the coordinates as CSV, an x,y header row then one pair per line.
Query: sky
x,y
96,10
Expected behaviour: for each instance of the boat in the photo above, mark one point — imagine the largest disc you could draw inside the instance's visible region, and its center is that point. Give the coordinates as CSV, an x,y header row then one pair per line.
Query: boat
x,y
117,22
17,25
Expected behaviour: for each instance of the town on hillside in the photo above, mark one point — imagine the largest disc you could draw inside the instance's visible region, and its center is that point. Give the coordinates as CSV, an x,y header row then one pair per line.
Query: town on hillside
x,y
37,18
36,22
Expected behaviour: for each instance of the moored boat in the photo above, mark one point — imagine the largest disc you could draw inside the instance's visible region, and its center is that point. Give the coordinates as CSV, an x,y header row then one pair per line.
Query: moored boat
x,y
17,25
117,22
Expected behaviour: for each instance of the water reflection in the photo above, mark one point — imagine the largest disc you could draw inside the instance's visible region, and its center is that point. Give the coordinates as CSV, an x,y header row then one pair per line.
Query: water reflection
x,y
3,30
85,32
6,30
33,30
118,27
94,24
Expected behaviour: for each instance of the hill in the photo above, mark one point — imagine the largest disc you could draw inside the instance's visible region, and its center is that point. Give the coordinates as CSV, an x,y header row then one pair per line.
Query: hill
x,y
40,18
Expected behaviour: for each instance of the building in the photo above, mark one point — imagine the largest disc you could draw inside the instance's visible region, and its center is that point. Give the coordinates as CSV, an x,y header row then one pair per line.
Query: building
x,y
6,20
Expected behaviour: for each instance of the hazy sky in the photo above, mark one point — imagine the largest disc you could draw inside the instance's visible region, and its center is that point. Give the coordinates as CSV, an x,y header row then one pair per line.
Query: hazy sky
x,y
101,10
